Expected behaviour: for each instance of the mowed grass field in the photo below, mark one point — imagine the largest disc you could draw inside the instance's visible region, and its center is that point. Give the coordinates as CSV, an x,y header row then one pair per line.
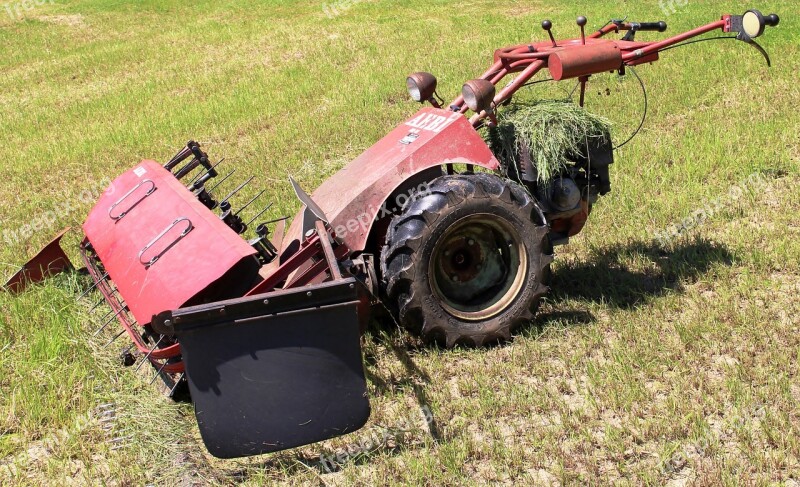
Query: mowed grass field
x,y
651,362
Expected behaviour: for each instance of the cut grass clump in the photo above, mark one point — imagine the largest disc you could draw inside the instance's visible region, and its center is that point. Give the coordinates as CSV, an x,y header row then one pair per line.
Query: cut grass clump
x,y
550,131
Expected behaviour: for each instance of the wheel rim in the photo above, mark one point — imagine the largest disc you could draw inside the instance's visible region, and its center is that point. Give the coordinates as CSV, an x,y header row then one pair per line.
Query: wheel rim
x,y
478,267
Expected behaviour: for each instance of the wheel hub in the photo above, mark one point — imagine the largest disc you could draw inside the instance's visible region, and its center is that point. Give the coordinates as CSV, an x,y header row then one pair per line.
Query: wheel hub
x,y
478,267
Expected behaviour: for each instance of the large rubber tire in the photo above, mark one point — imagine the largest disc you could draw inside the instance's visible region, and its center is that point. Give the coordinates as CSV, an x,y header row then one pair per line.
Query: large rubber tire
x,y
448,273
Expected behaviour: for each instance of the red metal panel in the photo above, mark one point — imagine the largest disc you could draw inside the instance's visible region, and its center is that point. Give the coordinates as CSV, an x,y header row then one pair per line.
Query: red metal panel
x,y
352,198
187,266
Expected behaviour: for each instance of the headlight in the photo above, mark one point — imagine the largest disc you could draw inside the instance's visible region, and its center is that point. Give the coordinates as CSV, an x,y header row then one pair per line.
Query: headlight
x,y
421,86
754,23
478,95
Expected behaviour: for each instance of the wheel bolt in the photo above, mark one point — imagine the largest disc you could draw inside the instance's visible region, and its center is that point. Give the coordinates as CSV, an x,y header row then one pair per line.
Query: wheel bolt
x,y
454,278
471,242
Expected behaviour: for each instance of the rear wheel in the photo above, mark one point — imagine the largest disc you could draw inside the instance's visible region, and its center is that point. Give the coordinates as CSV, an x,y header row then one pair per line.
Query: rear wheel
x,y
468,262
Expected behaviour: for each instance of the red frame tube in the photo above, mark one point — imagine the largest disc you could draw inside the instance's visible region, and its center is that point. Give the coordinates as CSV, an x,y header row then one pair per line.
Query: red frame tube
x,y
529,59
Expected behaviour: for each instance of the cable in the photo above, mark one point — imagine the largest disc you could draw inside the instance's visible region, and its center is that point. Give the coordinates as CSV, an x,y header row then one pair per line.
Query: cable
x,y
531,83
644,114
696,41
644,88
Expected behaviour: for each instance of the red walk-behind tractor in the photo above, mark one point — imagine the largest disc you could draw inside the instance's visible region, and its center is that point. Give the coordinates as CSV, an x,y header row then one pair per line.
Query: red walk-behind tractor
x,y
266,330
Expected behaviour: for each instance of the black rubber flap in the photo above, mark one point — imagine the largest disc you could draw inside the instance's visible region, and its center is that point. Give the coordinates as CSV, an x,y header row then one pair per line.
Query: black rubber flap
x,y
264,381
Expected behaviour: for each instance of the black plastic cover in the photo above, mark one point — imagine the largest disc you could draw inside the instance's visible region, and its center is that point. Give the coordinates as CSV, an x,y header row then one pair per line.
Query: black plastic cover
x,y
267,376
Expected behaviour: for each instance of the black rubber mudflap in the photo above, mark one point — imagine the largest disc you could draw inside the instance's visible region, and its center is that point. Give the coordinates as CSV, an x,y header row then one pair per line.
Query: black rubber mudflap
x,y
270,375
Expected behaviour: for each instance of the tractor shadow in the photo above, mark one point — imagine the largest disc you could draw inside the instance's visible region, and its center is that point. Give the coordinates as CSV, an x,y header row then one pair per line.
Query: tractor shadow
x,y
622,276
627,275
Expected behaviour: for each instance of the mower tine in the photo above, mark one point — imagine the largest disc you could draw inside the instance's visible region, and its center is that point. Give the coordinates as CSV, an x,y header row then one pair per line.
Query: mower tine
x,y
102,278
115,338
238,188
281,219
259,214
158,372
108,321
525,165
177,383
95,305
117,442
181,156
103,318
202,174
251,201
221,181
147,357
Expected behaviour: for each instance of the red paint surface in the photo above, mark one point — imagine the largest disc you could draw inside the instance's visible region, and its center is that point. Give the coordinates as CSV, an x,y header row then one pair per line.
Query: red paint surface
x,y
353,197
203,257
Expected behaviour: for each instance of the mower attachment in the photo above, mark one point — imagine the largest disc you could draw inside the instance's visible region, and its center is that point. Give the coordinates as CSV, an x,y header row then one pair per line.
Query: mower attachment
x,y
51,260
276,370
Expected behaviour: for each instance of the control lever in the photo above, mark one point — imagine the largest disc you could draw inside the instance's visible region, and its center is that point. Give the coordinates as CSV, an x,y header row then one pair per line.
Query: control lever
x,y
548,26
581,21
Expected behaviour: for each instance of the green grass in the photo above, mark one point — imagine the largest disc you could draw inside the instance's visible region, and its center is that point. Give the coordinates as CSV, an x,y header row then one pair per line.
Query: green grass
x,y
647,365
550,132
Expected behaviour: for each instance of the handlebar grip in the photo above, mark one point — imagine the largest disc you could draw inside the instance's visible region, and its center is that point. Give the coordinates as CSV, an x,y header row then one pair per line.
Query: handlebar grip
x,y
651,26
772,20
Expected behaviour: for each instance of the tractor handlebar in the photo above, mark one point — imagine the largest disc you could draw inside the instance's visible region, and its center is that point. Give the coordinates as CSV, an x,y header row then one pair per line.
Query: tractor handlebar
x,y
592,54
660,26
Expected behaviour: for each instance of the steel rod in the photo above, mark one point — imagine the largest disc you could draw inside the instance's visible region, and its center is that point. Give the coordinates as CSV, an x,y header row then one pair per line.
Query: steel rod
x,y
259,214
147,357
221,181
115,338
207,172
251,201
238,188
102,278
108,321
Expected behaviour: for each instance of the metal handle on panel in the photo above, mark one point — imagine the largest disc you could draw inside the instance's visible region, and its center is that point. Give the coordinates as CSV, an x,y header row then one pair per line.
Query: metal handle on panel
x,y
189,228
126,195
